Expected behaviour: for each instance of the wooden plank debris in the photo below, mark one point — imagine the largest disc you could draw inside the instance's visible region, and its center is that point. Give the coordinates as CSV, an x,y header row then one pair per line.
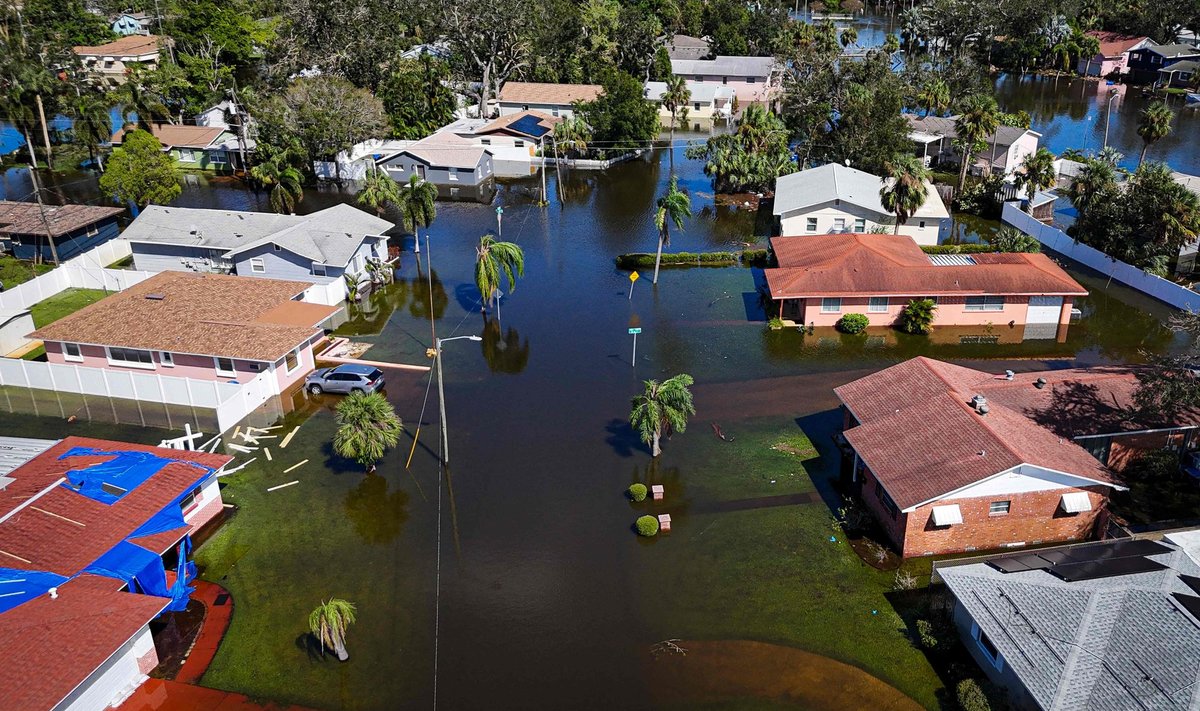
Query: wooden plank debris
x,y
281,486
267,451
284,443
238,468
297,465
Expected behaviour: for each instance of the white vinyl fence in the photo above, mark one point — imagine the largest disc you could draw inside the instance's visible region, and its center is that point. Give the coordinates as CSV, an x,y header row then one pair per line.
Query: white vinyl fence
x,y
86,271
1162,289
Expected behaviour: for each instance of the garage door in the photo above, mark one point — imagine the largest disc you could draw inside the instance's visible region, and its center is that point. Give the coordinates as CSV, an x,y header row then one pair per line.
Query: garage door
x,y
1044,309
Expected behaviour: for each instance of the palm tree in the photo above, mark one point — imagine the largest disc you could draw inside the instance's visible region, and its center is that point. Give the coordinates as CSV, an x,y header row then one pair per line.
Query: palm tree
x,y
92,123
379,191
135,99
1096,180
848,37
1036,174
673,206
329,622
978,120
573,134
934,97
663,408
905,191
1154,122
418,206
492,259
284,180
367,428
676,99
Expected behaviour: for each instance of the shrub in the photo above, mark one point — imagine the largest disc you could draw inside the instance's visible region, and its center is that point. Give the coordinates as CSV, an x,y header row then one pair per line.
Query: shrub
x,y
1010,239
853,323
647,526
904,580
971,697
917,317
958,248
637,492
756,257
643,260
928,634
775,323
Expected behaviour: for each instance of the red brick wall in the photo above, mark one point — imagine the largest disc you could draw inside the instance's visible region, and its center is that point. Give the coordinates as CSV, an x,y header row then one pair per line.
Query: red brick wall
x,y
1127,448
148,661
893,526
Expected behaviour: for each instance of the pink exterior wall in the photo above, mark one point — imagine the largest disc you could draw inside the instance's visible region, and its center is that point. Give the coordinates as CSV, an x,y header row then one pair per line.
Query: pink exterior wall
x,y
951,311
747,92
285,379
206,507
186,366
1101,66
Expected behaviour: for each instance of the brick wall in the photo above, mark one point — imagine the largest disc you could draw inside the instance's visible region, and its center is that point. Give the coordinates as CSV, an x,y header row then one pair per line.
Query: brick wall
x,y
893,525
1125,449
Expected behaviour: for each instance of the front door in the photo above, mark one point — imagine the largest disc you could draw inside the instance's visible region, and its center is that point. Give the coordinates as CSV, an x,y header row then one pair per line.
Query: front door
x,y
791,310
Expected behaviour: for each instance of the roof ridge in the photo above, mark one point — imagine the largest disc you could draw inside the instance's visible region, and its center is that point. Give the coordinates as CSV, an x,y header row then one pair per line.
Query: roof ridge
x,y
982,420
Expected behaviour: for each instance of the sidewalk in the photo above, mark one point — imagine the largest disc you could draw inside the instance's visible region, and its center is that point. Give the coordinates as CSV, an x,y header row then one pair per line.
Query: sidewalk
x,y
216,621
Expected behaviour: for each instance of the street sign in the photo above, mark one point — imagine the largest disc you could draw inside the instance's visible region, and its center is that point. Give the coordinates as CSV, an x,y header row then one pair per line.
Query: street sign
x,y
634,331
633,276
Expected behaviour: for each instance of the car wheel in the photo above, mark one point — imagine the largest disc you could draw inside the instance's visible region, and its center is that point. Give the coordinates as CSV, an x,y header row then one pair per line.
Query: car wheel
x,y
314,389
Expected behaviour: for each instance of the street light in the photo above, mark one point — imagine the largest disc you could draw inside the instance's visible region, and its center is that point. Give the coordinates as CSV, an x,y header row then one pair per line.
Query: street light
x,y
1112,94
499,226
437,354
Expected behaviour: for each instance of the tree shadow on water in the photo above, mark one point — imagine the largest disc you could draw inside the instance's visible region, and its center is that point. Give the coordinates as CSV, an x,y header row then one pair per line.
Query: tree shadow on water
x,y
338,464
623,439
378,515
308,643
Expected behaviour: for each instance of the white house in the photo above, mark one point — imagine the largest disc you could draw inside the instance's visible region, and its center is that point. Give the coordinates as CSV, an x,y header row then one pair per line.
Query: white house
x,y
554,99
108,64
753,79
933,139
709,102
836,198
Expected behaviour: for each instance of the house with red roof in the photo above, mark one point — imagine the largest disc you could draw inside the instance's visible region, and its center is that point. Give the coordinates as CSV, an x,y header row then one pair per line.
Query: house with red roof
x,y
820,278
1113,57
94,543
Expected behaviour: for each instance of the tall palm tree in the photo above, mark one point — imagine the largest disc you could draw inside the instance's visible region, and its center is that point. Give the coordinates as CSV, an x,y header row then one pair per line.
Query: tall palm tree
x,y
379,191
978,120
493,259
418,206
329,622
673,207
934,97
661,409
676,99
848,37
136,100
92,123
1036,174
367,428
905,191
573,134
1096,180
285,181
1154,122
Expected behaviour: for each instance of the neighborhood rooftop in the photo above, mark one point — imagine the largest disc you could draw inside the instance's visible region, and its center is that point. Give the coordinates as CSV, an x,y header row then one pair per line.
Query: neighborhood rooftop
x,y
132,45
26,218
523,92
944,126
180,135
832,181
443,150
531,123
1114,44
701,92
203,314
721,66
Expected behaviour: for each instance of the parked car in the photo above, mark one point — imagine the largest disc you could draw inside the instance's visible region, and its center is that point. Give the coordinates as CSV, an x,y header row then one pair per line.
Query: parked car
x,y
345,379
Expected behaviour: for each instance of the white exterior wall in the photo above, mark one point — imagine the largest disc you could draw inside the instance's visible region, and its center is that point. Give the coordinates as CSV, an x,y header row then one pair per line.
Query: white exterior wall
x,y
1022,479
1022,147
508,108
796,223
114,680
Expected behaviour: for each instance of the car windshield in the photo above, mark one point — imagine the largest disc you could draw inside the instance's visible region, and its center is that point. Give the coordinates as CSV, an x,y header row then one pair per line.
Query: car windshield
x,y
375,374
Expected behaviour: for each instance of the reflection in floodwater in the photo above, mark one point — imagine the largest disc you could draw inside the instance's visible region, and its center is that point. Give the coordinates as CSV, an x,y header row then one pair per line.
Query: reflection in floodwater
x,y
422,286
378,515
505,353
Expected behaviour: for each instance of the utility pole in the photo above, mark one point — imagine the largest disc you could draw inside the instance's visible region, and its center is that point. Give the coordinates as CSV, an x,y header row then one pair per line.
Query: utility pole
x,y
37,192
437,355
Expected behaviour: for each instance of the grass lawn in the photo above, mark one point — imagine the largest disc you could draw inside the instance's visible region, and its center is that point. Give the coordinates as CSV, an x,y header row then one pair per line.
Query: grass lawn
x,y
14,271
64,303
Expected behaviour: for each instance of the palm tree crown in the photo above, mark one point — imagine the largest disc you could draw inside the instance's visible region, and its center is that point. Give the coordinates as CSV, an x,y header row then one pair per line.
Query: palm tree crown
x,y
1154,122
379,191
1036,173
662,408
673,207
493,259
284,180
676,99
418,206
329,622
978,120
904,191
367,428
92,123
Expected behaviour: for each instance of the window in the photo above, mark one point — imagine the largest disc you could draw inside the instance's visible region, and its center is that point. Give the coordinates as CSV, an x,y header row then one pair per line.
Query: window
x,y
485,141
292,360
695,106
987,646
189,501
999,508
724,80
166,359
258,265
860,224
277,247
839,224
921,225
454,173
831,306
811,225
131,358
752,80
554,111
187,155
92,231
225,367
518,143
453,192
217,158
886,500
72,352
877,305
318,269
984,303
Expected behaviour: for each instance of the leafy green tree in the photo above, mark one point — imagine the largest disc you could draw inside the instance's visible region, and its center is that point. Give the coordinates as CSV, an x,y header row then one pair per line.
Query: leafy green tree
x,y
676,99
917,316
277,171
752,158
140,172
490,41
905,190
663,408
226,27
379,191
934,97
492,260
977,121
140,98
418,206
367,427
329,623
672,207
1036,173
417,97
51,25
621,119
1154,123
1095,181
572,135
328,115
1010,239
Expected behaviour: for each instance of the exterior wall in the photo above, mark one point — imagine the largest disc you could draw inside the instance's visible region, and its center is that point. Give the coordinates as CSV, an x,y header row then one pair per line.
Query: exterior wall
x,y
305,366
796,223
279,264
706,112
1000,673
1101,66
508,108
112,70
951,311
759,92
69,245
1178,79
214,159
405,165
893,525
120,673
151,257
1023,146
207,506
1126,448
197,367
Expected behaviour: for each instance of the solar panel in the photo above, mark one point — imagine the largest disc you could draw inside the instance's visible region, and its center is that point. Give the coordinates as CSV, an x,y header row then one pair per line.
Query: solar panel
x,y
530,126
1093,570
1008,565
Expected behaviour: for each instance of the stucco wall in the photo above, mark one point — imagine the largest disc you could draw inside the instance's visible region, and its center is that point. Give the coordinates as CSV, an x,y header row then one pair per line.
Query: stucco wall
x,y
186,366
746,91
507,108
796,223
951,311
306,365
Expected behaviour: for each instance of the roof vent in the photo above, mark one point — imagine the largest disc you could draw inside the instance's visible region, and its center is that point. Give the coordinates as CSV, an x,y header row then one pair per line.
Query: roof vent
x,y
978,400
156,297
1039,383
983,408
1008,375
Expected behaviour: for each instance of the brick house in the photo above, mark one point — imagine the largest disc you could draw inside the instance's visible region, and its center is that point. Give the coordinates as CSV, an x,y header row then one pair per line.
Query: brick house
x,y
950,459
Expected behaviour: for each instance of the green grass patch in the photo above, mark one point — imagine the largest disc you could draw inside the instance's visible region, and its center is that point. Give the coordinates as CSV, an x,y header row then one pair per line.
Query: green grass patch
x,y
124,263
64,303
798,445
15,271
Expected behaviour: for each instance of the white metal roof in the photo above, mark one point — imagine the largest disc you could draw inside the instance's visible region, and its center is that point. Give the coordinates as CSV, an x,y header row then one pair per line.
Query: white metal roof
x,y
15,451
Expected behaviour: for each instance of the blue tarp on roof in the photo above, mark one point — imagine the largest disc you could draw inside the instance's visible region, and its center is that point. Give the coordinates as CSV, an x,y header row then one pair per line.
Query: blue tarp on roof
x,y
108,481
135,566
18,586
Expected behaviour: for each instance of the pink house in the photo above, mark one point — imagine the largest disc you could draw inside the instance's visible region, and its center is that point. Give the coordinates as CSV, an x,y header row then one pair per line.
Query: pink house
x,y
820,278
1113,57
752,79
200,326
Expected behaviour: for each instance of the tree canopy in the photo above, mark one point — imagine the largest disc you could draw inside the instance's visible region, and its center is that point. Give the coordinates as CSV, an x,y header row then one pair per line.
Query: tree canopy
x,y
139,172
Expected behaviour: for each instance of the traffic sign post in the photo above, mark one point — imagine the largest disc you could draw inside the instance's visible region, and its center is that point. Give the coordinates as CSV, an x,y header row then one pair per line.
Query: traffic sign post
x,y
634,332
633,277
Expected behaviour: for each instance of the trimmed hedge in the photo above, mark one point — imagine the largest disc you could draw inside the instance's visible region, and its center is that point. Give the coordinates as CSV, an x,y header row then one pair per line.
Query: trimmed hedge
x,y
956,249
637,492
647,526
853,323
645,260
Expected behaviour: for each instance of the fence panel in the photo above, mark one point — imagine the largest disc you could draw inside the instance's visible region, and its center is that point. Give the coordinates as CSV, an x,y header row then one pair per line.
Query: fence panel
x,y
119,383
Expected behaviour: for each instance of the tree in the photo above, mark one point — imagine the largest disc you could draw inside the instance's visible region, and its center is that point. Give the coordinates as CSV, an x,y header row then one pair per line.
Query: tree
x,y
1036,173
418,206
905,190
490,41
367,428
1010,239
662,409
676,99
329,115
572,135
750,159
277,171
977,122
1096,180
621,119
934,97
917,316
379,191
329,623
673,207
417,97
138,99
1154,122
492,259
140,172
92,123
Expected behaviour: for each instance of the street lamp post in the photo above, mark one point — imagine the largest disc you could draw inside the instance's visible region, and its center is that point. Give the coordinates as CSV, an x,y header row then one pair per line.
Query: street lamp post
x,y
437,354
1112,94
499,222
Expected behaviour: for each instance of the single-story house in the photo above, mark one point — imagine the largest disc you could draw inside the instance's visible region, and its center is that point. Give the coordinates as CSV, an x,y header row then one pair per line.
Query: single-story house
x,y
709,102
948,459
109,63
514,140
933,141
1109,625
820,278
753,79
1145,62
131,23
27,229
1113,57
212,148
555,99
200,326
836,198
1178,75
452,163
317,248
688,47
96,540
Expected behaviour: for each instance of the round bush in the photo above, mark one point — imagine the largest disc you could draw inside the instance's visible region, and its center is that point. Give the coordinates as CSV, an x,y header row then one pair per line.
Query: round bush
x,y
637,492
647,526
853,323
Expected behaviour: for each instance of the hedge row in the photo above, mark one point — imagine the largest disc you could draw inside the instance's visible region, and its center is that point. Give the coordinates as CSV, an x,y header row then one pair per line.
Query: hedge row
x,y
747,257
957,248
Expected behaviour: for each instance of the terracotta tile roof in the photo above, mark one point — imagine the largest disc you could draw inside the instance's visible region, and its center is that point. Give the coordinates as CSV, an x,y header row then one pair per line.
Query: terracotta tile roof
x,y
502,124
921,438
133,45
25,218
893,265
1114,44
202,314
50,646
523,92
179,135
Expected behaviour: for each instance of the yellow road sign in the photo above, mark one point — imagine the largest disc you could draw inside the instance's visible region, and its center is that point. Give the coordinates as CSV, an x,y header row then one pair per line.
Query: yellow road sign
x,y
633,276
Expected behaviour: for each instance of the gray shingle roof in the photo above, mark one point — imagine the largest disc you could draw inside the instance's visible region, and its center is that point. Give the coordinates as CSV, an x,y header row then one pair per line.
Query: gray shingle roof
x,y
944,125
833,181
1089,644
1171,51
758,67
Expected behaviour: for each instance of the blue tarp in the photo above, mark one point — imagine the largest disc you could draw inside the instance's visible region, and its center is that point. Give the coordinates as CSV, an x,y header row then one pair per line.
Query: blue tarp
x,y
168,519
18,586
126,471
143,571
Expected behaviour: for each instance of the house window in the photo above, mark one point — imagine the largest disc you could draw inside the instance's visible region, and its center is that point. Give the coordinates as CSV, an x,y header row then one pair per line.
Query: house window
x,y
217,158
752,80
987,646
984,303
131,358
831,306
724,80
921,224
518,143
999,508
292,360
877,305
485,141
277,247
886,500
225,367
188,502
811,225
860,224
258,265
187,155
166,359
454,173
92,231
72,352
554,111
839,224
318,269
696,106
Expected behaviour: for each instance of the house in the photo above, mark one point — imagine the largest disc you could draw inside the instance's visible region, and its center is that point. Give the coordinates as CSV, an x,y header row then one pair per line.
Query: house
x,y
822,277
214,148
1178,75
96,538
709,102
1145,62
753,79
318,248
836,198
933,139
1110,625
515,141
687,47
108,64
28,229
948,459
1113,57
131,23
555,99
223,114
456,165
200,326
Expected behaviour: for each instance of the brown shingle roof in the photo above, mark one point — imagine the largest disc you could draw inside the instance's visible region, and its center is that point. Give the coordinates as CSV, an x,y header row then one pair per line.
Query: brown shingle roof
x,y
178,135
25,218
523,92
202,314
124,47
503,124
893,265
